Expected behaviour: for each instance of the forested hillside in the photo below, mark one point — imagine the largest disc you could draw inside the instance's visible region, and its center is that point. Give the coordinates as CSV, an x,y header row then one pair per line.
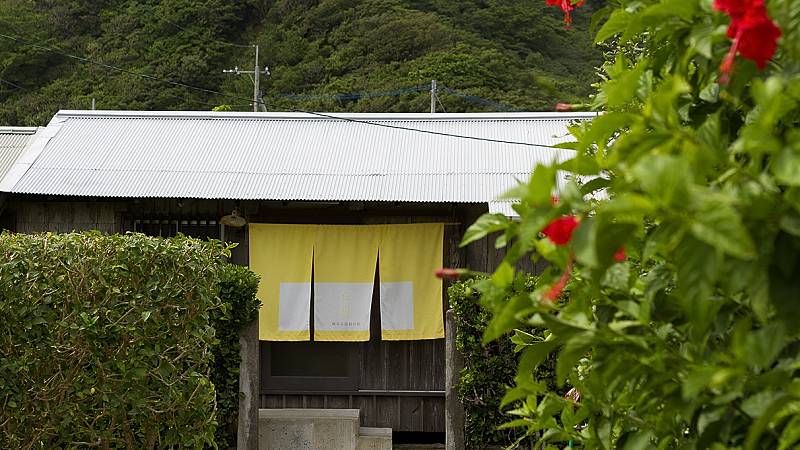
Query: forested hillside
x,y
514,52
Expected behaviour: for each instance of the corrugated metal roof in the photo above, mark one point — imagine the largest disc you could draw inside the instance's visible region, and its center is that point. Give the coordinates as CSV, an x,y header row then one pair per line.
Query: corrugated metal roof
x,y
12,142
289,156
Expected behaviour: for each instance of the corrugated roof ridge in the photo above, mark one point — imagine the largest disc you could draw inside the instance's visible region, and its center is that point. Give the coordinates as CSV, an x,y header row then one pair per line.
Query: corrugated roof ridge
x,y
294,174
17,130
278,115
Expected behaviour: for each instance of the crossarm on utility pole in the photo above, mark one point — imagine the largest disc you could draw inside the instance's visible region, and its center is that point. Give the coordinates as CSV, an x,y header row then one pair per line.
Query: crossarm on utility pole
x,y
256,72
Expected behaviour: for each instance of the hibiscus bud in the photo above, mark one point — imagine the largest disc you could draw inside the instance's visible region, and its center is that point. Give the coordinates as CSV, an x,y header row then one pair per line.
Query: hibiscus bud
x,y
555,290
447,273
726,67
564,107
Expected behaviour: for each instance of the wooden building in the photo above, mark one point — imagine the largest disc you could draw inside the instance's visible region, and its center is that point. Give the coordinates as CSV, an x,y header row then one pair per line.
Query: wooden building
x,y
161,173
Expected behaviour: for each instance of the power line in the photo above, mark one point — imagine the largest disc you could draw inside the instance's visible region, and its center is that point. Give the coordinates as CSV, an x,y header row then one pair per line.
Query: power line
x,y
480,100
440,103
15,86
261,101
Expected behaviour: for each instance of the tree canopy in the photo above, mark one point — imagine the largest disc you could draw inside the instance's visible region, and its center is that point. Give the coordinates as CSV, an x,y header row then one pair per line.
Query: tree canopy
x,y
516,53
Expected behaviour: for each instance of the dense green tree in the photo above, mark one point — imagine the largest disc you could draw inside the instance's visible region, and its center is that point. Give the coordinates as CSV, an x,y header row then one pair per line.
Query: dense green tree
x,y
514,52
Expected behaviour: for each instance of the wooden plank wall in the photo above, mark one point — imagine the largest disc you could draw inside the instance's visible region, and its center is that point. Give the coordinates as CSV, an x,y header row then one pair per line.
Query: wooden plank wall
x,y
61,217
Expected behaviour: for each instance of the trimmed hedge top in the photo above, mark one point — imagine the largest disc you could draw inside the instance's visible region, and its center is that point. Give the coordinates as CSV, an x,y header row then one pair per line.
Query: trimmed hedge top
x,y
105,340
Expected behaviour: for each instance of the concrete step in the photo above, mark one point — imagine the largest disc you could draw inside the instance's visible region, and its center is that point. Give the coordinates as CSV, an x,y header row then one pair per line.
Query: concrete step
x,y
374,439
418,447
308,429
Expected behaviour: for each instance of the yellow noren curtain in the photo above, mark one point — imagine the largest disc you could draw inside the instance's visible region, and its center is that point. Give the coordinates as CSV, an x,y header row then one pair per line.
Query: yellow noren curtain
x,y
282,256
410,295
344,274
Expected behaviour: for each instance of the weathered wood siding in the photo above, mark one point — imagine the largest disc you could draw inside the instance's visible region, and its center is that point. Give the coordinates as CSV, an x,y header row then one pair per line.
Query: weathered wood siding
x,y
63,217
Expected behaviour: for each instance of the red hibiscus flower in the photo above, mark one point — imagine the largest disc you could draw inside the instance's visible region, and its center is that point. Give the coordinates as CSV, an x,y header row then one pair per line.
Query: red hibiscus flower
x,y
733,7
620,255
559,231
567,6
755,36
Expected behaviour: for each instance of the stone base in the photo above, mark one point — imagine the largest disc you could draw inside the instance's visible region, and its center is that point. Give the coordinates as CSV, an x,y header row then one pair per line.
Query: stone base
x,y
374,439
419,447
308,429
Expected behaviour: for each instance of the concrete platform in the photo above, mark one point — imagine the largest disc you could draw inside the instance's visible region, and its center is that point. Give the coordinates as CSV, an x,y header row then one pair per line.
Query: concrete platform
x,y
419,447
309,429
374,439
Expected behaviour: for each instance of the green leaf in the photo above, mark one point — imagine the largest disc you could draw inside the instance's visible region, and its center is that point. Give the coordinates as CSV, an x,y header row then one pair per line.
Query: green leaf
x,y
540,188
764,345
616,23
584,243
790,224
718,224
503,275
700,39
666,178
580,165
622,89
596,240
595,184
791,434
767,413
787,166
698,267
639,440
696,381
506,319
574,349
485,225
512,395
534,355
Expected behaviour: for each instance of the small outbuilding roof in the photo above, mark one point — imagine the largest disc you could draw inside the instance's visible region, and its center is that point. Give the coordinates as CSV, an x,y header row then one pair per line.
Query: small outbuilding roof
x,y
13,141
460,158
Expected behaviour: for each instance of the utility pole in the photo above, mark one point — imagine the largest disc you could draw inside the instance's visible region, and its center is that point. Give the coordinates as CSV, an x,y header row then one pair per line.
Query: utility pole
x,y
433,96
256,72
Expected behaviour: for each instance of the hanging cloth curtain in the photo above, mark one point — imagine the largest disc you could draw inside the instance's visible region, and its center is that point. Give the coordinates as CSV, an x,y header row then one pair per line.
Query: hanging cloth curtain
x,y
344,275
410,295
282,256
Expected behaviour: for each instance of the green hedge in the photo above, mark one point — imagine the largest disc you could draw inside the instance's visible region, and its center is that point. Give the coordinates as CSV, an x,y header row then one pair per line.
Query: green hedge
x,y
237,290
488,370
105,341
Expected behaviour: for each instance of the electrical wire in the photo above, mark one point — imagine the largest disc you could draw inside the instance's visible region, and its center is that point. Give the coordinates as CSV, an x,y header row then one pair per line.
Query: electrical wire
x,y
261,100
15,86
436,95
479,100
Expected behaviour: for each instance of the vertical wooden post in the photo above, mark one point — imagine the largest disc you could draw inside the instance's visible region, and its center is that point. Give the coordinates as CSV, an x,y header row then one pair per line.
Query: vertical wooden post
x,y
454,410
247,430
